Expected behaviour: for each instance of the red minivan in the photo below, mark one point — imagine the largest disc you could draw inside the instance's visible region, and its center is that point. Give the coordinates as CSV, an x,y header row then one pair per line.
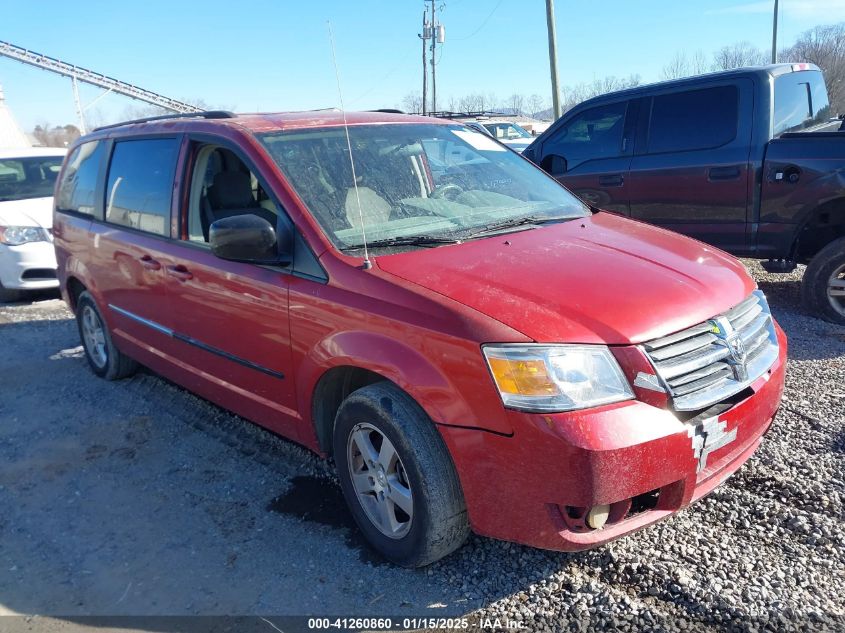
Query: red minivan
x,y
475,347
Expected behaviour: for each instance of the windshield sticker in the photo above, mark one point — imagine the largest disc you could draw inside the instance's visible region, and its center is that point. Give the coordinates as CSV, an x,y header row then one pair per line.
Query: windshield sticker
x,y
479,141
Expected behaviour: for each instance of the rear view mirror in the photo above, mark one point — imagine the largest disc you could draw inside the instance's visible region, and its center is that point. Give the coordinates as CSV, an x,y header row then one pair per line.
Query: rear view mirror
x,y
247,238
553,164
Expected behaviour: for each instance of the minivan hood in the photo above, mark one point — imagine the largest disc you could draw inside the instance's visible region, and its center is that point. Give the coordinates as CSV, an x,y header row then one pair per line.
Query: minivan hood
x,y
31,212
599,279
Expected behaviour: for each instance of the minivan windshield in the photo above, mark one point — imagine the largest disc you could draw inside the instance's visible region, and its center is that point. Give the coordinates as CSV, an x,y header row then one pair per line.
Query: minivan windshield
x,y
432,181
28,177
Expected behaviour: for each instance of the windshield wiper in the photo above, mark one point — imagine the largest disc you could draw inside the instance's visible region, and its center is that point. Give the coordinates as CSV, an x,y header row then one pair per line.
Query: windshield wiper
x,y
407,240
514,222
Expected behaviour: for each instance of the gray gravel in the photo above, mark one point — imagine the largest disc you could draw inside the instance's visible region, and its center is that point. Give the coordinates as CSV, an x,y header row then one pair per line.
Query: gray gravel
x,y
138,498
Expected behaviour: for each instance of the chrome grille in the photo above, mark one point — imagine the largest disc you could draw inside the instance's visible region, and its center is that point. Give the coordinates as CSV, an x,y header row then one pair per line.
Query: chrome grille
x,y
711,361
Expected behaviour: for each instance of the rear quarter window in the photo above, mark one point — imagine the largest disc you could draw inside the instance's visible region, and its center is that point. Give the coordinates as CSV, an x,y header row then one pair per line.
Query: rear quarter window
x,y
800,101
140,184
693,120
78,186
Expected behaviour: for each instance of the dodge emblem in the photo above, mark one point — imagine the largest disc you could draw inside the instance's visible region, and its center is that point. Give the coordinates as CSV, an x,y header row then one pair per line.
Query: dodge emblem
x,y
730,338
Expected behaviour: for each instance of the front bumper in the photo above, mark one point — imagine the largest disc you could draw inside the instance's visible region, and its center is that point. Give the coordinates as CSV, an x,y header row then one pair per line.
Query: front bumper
x,y
30,266
642,461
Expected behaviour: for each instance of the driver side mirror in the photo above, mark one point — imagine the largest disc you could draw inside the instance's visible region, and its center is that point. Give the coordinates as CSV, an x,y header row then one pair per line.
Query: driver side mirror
x,y
251,239
554,165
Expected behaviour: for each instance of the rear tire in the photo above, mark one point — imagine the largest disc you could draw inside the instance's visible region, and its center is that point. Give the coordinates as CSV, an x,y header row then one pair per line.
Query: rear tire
x,y
409,462
823,286
104,358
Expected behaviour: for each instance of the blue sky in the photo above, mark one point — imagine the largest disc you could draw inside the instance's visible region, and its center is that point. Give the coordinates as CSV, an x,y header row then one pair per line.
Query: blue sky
x,y
266,55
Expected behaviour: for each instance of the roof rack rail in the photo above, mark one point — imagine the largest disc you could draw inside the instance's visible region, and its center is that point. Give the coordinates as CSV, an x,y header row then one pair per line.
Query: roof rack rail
x,y
208,114
388,110
447,114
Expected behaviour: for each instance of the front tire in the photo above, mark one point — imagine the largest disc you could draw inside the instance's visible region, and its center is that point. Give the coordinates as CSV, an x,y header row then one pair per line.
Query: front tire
x,y
397,477
823,286
103,357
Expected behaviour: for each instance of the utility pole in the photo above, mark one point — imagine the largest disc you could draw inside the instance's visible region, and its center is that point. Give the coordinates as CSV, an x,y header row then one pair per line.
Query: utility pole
x,y
775,35
550,21
434,29
424,36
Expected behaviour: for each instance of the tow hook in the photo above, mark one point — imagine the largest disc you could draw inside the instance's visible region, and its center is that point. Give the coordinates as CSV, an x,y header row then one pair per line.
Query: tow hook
x,y
597,516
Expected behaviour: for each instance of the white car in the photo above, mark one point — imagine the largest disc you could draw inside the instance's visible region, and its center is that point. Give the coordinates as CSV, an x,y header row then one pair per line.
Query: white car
x,y
27,258
511,134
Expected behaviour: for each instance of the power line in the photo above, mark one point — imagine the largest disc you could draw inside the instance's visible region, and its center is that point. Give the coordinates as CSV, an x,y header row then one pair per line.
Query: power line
x,y
483,24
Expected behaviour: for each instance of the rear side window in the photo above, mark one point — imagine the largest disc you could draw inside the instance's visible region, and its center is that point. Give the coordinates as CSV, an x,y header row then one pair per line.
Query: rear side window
x,y
594,133
79,181
140,184
698,119
800,101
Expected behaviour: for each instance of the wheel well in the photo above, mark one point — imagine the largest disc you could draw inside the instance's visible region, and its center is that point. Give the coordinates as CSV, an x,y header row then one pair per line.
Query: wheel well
x,y
827,223
74,289
332,389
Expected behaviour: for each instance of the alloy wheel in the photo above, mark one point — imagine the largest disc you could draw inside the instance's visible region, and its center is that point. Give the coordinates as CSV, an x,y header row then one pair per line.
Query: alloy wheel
x,y
380,481
94,336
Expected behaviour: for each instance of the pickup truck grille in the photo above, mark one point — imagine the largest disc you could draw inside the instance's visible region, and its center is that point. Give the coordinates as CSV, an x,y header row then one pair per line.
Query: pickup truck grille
x,y
714,360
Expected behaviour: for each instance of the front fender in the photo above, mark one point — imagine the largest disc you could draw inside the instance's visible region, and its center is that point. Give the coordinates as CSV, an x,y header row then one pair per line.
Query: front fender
x,y
454,390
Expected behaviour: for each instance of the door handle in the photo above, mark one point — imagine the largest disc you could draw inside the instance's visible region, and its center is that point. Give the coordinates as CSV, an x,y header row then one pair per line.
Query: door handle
x,y
180,272
149,263
724,173
613,180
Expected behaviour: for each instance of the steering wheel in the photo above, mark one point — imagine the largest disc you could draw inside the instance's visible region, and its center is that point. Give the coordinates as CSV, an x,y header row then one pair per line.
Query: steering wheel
x,y
448,191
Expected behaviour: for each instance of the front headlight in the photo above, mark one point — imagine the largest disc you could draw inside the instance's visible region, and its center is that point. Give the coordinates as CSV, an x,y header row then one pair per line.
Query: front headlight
x,y
17,235
547,378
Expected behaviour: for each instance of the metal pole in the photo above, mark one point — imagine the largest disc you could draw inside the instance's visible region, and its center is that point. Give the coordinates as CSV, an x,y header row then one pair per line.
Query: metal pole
x,y
425,68
433,54
775,35
79,112
550,21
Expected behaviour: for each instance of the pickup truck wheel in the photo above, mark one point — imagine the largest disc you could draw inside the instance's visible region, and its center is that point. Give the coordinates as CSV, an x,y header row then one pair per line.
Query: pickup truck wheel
x,y
823,286
397,477
104,358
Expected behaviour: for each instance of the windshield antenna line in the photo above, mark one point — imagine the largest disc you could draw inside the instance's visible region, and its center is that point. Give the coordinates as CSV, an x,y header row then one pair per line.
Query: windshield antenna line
x,y
367,263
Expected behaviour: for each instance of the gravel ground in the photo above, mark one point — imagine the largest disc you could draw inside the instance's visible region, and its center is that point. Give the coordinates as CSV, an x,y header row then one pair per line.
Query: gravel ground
x,y
138,498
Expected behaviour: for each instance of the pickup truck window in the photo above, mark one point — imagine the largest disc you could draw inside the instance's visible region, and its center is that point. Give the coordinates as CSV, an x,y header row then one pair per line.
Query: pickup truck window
x,y
79,182
800,101
694,119
412,180
589,135
140,183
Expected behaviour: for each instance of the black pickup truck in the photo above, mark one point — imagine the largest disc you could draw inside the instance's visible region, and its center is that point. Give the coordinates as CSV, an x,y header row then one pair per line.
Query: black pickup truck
x,y
748,160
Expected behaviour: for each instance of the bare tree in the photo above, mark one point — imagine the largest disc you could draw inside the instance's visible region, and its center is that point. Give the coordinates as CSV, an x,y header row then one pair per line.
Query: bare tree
x,y
738,55
516,103
412,102
536,104
699,63
824,46
677,68
573,95
55,136
487,101
472,102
